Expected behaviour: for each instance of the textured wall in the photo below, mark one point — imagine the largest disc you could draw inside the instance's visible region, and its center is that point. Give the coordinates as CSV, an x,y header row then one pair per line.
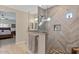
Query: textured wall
x,y
68,37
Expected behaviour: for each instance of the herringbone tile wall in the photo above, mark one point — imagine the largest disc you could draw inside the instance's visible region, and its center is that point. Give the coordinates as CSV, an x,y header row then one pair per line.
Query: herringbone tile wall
x,y
68,37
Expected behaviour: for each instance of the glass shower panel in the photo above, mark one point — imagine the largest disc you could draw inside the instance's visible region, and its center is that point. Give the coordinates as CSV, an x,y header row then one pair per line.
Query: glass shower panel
x,y
41,20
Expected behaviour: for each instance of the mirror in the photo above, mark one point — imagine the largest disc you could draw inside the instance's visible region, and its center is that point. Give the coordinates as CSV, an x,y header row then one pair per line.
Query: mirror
x,y
33,19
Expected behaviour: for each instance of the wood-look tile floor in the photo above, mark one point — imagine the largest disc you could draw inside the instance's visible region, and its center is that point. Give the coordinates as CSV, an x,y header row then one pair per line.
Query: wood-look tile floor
x,y
19,48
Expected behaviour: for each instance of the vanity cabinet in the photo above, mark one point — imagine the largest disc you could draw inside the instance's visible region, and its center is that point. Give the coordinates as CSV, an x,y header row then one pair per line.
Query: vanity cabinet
x,y
37,42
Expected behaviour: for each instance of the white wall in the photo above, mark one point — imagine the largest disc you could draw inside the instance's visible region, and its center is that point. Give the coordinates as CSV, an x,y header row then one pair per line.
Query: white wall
x,y
21,23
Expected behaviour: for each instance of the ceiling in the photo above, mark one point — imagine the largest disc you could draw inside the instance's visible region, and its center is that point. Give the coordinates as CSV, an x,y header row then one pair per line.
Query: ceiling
x,y
46,6
29,8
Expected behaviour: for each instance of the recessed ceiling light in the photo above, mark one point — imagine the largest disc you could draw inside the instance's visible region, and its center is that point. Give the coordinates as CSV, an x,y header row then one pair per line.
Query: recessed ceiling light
x,y
69,15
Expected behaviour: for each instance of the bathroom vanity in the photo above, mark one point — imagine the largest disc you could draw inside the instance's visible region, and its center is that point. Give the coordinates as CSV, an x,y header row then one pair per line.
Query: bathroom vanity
x,y
37,42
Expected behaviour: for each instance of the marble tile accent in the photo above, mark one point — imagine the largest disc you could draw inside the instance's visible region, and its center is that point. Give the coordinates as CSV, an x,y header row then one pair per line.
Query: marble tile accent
x,y
68,37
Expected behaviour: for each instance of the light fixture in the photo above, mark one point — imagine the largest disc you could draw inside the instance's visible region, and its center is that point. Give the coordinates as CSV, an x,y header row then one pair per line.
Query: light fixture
x,y
3,16
48,19
69,15
36,19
